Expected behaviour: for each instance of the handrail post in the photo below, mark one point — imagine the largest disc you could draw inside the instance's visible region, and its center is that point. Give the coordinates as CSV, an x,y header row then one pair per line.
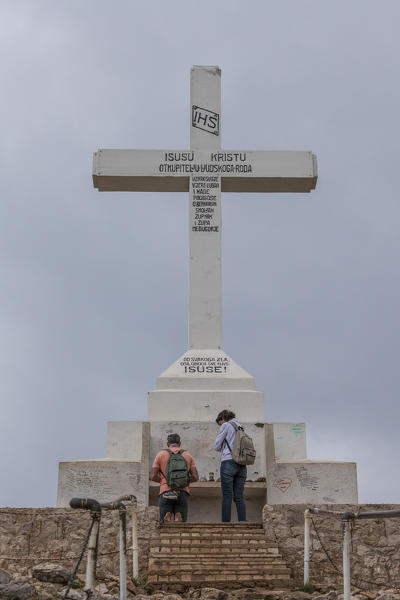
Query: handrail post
x,y
307,519
135,547
346,557
90,581
93,542
119,504
122,553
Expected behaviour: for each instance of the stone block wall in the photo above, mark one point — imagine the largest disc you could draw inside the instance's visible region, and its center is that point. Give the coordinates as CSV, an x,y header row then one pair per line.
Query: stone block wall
x,y
30,536
375,553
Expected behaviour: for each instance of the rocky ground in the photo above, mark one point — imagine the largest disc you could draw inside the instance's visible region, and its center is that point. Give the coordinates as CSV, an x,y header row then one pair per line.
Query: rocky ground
x,y
49,582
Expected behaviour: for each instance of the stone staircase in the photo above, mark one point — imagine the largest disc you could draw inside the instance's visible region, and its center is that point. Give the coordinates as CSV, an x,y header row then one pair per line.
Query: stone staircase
x,y
231,555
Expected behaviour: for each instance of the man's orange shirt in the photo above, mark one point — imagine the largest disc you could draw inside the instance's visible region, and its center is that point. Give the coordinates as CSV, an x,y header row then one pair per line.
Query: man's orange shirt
x,y
160,462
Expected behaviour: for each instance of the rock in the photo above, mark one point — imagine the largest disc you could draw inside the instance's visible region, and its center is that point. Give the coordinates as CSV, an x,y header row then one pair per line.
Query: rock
x,y
17,590
101,589
162,596
255,594
213,594
5,577
388,595
158,596
329,596
193,594
51,573
45,595
73,594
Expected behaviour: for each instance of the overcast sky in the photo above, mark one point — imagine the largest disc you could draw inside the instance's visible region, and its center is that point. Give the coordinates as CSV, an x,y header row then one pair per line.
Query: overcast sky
x,y
94,286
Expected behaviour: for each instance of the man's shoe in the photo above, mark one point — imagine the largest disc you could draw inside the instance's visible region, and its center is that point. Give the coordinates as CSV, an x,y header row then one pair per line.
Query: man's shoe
x,y
178,518
167,518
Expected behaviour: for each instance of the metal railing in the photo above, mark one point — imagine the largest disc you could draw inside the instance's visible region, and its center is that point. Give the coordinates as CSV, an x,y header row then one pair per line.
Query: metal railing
x,y
120,505
347,518
92,541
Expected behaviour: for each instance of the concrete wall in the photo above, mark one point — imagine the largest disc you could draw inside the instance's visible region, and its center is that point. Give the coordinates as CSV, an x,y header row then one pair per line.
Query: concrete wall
x,y
289,440
125,440
198,438
296,480
125,471
204,405
281,460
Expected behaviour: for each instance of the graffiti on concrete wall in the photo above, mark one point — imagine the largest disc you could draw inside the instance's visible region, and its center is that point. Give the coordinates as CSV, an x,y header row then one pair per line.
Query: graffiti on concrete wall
x,y
306,480
283,484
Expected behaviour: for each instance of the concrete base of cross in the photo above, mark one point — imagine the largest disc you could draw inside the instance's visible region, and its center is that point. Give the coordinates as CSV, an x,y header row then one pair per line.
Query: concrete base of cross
x,y
187,399
282,473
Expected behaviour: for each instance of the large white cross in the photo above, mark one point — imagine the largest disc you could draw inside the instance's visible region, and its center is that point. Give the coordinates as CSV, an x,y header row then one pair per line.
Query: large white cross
x,y
204,171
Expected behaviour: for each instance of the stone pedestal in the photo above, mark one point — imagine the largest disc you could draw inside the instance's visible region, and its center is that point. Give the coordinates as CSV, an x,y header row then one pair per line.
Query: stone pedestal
x,y
293,479
187,399
125,470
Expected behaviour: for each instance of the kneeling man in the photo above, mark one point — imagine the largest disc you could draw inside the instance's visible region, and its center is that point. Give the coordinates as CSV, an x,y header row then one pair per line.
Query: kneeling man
x,y
174,470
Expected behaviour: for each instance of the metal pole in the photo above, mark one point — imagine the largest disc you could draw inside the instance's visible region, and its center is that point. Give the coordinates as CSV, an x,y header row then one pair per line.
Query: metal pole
x,y
90,582
346,559
135,548
122,553
307,519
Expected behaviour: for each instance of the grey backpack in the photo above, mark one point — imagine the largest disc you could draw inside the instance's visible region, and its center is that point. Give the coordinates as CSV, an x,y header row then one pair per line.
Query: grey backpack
x,y
243,451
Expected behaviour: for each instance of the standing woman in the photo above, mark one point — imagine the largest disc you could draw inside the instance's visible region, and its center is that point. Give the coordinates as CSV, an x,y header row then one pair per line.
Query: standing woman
x,y
233,476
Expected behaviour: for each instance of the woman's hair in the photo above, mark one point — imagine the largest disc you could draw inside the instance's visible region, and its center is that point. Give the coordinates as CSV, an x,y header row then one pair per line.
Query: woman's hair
x,y
225,415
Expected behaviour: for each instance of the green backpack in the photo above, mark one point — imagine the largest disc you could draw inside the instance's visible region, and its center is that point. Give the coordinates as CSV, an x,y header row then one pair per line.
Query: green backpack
x,y
177,473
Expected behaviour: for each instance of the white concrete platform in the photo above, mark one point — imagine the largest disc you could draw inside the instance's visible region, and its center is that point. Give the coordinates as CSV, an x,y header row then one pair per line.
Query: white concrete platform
x,y
102,479
204,405
293,479
124,471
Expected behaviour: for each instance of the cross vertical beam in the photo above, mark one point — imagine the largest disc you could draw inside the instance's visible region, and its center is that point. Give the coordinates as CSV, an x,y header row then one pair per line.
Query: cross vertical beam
x,y
205,286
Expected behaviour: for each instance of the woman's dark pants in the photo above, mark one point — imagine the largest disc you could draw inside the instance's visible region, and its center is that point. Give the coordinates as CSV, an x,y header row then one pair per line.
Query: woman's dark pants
x,y
233,478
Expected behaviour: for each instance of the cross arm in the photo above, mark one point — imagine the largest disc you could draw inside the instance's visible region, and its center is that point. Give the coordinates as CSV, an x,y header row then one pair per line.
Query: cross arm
x,y
170,170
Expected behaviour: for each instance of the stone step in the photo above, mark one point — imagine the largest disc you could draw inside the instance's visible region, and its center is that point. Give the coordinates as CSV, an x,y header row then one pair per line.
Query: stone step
x,y
210,543
203,548
235,558
213,524
161,566
211,568
229,579
199,532
210,536
213,538
266,556
252,556
244,556
209,527
229,554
